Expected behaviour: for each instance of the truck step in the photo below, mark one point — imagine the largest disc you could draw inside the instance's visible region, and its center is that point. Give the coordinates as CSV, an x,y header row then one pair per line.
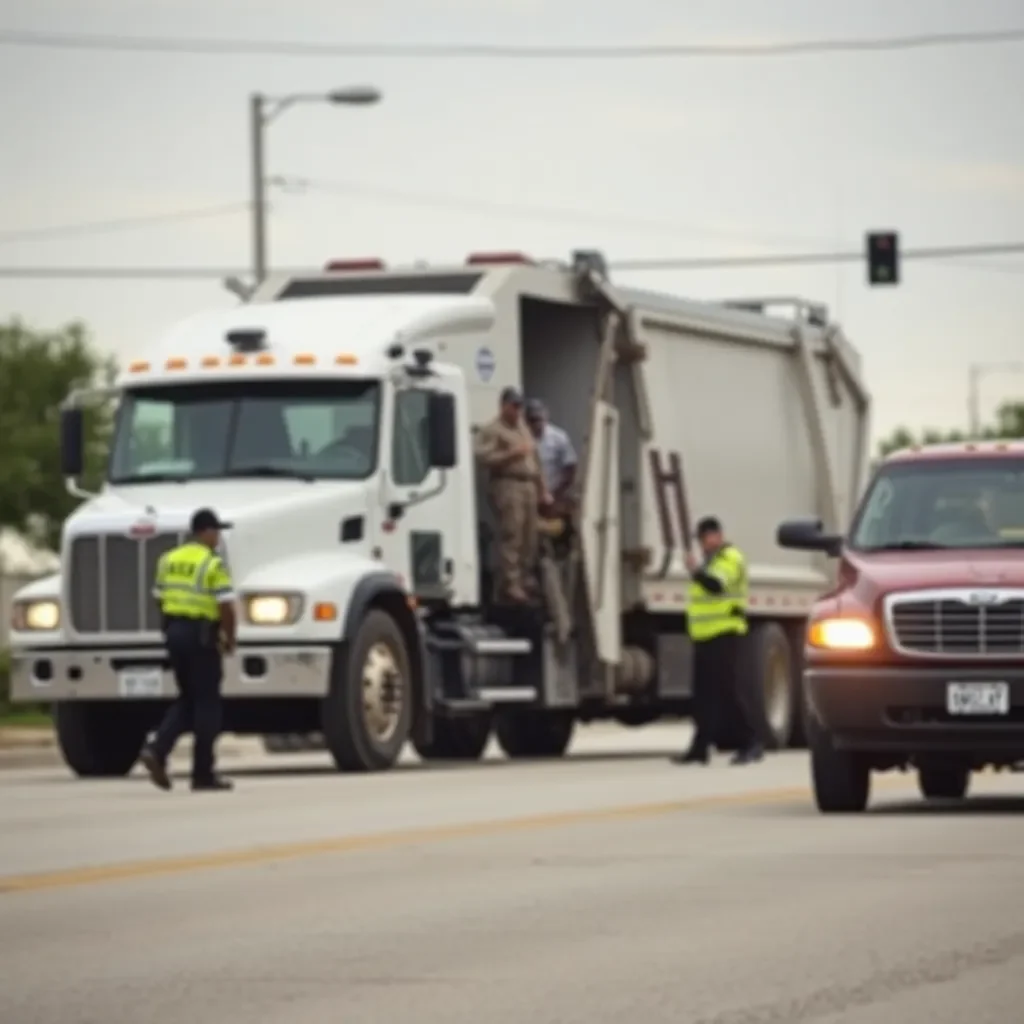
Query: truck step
x,y
508,694
462,705
490,647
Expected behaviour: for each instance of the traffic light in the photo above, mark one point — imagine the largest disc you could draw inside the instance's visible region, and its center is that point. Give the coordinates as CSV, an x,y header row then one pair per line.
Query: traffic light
x,y
883,257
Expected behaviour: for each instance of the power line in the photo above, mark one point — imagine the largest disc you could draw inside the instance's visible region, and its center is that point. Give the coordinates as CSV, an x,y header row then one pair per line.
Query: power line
x,y
544,213
99,227
682,263
817,258
199,46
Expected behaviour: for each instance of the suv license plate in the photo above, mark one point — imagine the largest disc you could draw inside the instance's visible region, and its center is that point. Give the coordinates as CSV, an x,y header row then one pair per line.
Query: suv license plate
x,y
978,698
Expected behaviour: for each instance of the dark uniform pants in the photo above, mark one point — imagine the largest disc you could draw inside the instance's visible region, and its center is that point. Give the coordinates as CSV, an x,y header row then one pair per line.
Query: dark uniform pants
x,y
719,687
198,672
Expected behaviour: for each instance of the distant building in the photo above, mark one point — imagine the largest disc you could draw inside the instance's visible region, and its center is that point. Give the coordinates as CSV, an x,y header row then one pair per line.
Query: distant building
x,y
19,558
20,563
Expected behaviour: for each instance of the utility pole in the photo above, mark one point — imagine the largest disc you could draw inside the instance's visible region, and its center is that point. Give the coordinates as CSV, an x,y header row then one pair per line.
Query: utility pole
x,y
259,188
974,374
262,111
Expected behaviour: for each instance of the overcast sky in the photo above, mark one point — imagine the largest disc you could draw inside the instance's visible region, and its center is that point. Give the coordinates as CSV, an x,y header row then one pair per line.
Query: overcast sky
x,y
639,158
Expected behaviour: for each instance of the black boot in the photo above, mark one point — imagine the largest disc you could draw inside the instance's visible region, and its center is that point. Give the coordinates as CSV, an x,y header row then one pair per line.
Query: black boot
x,y
214,784
749,755
156,766
697,754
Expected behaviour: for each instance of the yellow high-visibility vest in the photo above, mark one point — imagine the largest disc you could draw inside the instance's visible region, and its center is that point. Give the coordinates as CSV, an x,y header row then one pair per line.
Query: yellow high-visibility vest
x,y
710,615
191,582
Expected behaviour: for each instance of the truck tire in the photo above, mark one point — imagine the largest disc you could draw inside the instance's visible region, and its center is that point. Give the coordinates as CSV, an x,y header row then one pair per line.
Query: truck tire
x,y
98,739
945,782
769,662
534,733
368,712
842,780
456,739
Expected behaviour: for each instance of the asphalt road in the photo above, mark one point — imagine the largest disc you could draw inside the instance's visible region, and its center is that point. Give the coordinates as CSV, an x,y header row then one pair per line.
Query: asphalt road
x,y
605,888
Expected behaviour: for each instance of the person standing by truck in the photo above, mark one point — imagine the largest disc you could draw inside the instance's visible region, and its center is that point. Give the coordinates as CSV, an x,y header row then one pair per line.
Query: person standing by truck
x,y
717,623
196,599
516,489
557,456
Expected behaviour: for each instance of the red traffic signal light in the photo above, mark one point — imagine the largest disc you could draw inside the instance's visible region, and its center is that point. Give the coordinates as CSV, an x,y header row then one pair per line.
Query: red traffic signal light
x,y
883,258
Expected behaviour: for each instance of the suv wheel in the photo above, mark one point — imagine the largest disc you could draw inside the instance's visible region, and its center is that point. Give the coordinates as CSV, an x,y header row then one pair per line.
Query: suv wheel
x,y
842,780
944,782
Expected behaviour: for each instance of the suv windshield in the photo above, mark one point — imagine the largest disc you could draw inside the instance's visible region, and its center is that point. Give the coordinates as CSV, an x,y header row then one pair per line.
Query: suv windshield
x,y
305,429
943,503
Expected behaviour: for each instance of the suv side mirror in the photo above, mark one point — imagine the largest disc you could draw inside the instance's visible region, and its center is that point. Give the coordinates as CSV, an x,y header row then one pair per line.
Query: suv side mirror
x,y
808,535
442,442
72,442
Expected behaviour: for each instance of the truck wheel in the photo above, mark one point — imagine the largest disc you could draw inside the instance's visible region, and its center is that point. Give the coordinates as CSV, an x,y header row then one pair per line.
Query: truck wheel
x,y
99,739
534,733
842,780
456,739
770,667
368,712
943,782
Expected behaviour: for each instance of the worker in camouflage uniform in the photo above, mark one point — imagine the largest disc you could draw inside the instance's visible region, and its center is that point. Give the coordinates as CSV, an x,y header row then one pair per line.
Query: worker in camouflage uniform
x,y
516,489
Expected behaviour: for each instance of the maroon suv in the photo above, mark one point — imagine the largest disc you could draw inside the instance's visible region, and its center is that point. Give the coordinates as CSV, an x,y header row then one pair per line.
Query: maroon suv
x,y
915,658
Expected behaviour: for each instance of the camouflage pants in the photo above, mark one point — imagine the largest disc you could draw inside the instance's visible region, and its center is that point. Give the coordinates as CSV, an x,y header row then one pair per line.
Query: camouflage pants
x,y
515,509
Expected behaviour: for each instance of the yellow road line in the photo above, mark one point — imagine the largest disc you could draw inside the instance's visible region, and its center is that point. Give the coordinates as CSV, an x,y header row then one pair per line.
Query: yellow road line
x,y
262,855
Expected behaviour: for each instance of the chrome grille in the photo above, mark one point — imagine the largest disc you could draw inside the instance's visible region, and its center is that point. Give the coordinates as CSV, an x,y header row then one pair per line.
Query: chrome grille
x,y
110,582
958,623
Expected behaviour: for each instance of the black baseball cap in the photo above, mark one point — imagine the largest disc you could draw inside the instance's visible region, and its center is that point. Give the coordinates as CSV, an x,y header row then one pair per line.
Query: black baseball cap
x,y
709,524
513,395
535,409
207,519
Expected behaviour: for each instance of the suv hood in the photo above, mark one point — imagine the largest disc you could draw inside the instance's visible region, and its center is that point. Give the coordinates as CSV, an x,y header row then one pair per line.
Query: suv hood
x,y
871,576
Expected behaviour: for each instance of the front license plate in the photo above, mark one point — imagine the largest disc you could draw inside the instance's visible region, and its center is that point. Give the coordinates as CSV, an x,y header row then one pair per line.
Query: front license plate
x,y
978,698
141,682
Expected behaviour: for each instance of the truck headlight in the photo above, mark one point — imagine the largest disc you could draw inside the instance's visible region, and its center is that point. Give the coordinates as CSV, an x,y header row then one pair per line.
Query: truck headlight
x,y
36,616
841,635
272,609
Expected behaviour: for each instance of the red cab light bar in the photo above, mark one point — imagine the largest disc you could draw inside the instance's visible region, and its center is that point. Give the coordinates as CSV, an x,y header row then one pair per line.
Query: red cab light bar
x,y
345,266
483,259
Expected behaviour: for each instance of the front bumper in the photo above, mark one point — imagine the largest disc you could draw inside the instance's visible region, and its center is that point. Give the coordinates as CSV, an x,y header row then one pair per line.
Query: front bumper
x,y
903,710
56,674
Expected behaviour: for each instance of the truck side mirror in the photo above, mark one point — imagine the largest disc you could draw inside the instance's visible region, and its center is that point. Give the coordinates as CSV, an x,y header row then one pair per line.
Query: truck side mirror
x,y
72,442
808,535
441,437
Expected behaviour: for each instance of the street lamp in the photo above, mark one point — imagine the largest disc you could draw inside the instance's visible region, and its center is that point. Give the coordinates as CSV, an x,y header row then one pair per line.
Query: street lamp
x,y
262,111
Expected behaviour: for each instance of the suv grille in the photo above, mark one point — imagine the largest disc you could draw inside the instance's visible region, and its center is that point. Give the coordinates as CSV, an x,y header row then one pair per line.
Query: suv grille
x,y
110,579
958,625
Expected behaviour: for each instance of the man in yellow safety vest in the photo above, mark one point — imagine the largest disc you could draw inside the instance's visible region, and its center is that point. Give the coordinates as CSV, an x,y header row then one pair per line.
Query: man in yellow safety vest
x,y
717,623
197,601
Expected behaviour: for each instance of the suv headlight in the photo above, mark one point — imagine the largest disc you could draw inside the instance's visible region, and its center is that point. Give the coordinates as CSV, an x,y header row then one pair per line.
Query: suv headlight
x,y
35,616
841,634
272,609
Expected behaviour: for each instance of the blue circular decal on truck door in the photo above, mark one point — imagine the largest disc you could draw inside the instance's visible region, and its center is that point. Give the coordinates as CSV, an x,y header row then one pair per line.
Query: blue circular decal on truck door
x,y
485,363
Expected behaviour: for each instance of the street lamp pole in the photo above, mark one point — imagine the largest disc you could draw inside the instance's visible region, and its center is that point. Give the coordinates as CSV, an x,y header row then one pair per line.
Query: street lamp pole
x,y
262,111
974,374
259,188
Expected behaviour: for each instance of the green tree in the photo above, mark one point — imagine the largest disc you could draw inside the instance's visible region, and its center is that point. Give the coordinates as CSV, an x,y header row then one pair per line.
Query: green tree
x,y
37,371
1009,424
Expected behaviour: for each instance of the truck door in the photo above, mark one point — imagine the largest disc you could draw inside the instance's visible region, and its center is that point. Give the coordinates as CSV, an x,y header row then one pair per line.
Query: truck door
x,y
599,527
421,509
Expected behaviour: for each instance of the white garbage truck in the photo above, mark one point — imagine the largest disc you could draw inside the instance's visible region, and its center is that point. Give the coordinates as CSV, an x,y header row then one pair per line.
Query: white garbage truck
x,y
331,419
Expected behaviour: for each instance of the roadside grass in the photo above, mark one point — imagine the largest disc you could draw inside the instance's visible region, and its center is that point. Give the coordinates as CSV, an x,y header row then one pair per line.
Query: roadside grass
x,y
25,716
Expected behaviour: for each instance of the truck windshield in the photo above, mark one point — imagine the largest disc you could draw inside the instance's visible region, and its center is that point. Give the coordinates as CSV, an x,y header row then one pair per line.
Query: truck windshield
x,y
957,503
304,429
